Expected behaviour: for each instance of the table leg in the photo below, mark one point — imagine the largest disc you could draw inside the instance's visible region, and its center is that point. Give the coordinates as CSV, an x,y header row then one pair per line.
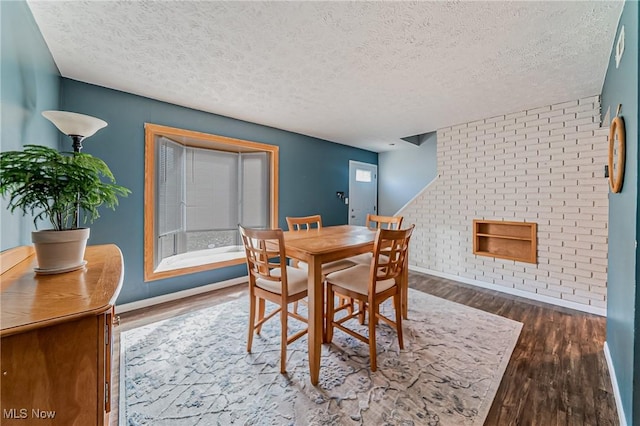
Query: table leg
x,y
316,318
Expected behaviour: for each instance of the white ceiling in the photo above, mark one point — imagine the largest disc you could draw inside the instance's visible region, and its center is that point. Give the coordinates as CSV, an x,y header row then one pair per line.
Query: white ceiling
x,y
358,73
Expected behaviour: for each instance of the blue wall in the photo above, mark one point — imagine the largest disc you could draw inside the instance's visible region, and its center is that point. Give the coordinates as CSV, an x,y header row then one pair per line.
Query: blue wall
x,y
404,173
311,171
30,84
621,87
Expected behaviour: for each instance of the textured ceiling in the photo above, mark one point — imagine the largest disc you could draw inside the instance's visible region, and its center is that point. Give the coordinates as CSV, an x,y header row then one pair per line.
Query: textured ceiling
x,y
358,73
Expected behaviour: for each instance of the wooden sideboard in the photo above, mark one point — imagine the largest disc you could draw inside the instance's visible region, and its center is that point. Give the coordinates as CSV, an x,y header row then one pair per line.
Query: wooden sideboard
x,y
56,339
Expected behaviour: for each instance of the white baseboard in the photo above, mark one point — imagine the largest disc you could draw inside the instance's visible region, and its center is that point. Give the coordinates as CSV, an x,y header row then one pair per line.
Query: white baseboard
x,y
534,296
178,295
228,283
614,385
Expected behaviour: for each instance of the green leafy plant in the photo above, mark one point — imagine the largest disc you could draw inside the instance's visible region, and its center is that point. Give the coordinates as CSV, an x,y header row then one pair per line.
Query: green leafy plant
x,y
52,185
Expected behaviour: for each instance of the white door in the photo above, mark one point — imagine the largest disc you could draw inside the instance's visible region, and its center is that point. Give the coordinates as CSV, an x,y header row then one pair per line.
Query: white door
x,y
363,191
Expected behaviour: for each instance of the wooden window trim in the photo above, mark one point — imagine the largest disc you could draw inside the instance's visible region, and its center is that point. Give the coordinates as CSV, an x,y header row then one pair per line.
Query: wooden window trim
x,y
202,140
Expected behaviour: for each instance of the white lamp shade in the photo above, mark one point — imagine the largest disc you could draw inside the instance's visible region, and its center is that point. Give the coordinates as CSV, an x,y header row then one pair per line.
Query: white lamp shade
x,y
71,123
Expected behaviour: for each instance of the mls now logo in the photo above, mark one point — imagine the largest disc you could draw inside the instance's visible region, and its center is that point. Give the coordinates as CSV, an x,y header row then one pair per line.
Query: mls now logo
x,y
23,413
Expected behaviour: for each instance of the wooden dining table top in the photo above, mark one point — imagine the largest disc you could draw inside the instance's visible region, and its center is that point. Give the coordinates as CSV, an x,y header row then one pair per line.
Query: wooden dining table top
x,y
330,242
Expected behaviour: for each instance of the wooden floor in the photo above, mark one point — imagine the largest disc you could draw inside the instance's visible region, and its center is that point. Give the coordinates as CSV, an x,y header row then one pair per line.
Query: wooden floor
x,y
557,374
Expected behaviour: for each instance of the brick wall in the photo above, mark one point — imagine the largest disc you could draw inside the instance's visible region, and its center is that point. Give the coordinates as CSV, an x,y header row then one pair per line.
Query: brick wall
x,y
544,165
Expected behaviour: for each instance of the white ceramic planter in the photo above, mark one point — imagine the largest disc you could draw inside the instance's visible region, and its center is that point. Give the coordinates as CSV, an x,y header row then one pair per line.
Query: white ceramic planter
x,y
60,251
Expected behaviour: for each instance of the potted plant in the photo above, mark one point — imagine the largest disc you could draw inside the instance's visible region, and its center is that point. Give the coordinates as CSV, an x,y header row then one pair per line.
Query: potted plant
x,y
51,185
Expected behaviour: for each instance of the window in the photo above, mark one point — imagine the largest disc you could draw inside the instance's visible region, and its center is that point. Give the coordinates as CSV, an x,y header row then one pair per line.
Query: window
x,y
198,188
363,175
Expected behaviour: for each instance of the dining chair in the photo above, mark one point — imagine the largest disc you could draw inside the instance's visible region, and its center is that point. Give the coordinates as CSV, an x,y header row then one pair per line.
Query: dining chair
x,y
271,279
305,223
371,285
377,222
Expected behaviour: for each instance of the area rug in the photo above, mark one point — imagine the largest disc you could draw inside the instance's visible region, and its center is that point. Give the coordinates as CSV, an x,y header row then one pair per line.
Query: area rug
x,y
194,370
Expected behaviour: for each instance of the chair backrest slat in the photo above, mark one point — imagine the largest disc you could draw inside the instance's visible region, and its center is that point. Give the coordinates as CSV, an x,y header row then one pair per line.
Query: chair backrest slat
x,y
383,222
390,251
265,252
302,223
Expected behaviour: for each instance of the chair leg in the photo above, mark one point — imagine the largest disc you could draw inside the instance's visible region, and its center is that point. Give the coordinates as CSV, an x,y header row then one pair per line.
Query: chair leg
x,y
329,316
261,308
372,336
398,308
295,307
404,298
252,320
344,301
283,338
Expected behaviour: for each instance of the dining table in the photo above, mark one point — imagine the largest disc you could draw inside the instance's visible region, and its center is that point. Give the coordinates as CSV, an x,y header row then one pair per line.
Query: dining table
x,y
317,246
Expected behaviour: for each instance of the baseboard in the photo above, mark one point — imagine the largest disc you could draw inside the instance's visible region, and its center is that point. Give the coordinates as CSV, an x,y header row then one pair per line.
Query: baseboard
x,y
515,292
178,295
235,281
614,385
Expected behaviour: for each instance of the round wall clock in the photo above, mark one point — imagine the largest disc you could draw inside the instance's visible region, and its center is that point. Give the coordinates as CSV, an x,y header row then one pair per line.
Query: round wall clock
x,y
616,153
